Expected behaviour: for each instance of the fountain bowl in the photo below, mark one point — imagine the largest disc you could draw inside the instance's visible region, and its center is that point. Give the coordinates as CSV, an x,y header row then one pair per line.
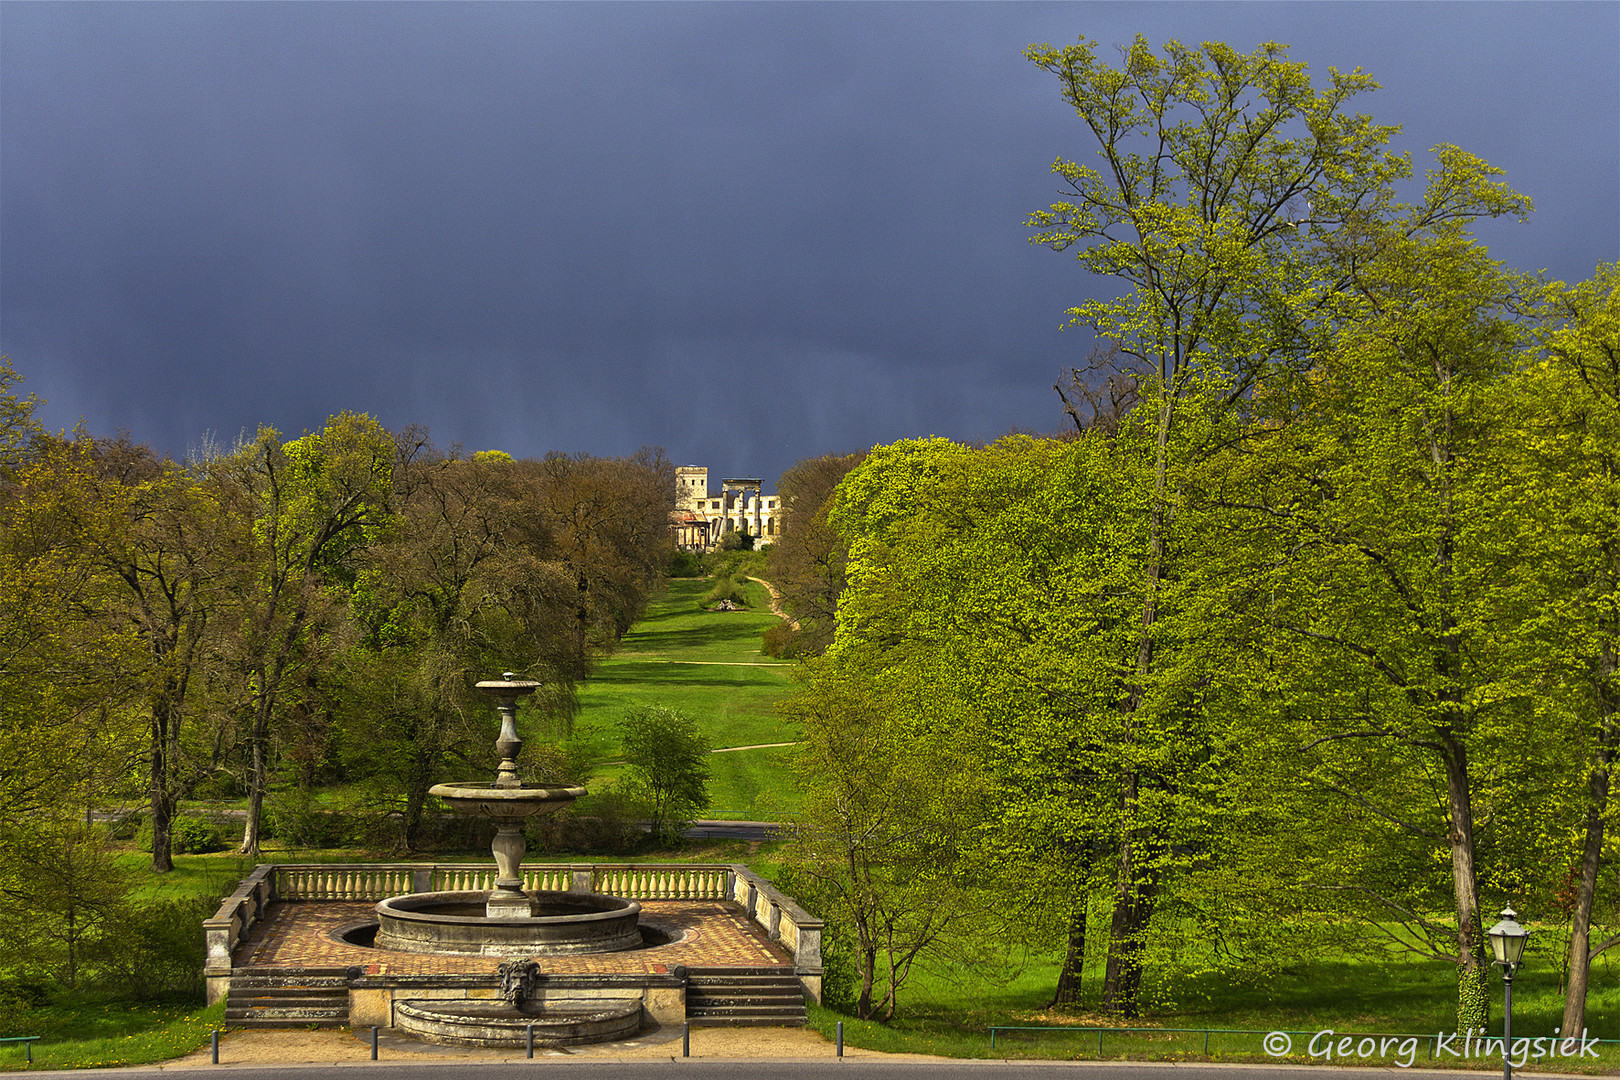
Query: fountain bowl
x,y
504,803
455,923
494,1023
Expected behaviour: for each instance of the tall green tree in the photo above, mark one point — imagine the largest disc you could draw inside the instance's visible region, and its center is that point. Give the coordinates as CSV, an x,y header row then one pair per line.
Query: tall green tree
x,y
881,842
1382,459
468,585
151,530
1559,431
666,772
313,503
806,562
1211,162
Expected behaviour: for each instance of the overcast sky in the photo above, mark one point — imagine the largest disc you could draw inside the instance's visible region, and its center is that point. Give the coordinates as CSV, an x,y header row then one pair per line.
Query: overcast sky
x,y
748,233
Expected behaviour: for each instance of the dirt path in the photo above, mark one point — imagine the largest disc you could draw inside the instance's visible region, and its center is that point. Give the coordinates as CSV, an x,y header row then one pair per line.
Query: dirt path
x,y
776,602
331,1047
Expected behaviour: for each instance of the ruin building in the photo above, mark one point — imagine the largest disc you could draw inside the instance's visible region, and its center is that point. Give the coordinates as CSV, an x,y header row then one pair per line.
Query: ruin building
x,y
701,518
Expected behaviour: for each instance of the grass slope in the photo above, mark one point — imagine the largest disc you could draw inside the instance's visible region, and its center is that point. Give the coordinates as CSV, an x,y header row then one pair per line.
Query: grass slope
x,y
707,664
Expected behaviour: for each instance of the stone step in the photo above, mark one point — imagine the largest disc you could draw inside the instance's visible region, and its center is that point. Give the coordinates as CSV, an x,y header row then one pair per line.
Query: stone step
x,y
284,989
788,1012
777,971
786,996
239,1017
288,1001
241,1022
333,983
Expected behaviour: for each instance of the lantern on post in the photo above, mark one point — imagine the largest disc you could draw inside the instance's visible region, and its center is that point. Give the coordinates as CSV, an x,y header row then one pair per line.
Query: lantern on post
x,y
1507,946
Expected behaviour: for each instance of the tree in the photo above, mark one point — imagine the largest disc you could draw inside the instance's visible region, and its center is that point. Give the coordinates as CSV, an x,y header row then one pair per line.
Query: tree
x,y
1211,159
1004,584
151,529
1381,460
62,665
610,520
470,584
806,563
17,424
314,503
666,768
60,888
1560,425
880,838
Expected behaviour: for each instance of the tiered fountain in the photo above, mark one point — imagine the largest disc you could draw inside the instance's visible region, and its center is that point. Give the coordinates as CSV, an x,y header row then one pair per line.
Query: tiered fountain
x,y
509,921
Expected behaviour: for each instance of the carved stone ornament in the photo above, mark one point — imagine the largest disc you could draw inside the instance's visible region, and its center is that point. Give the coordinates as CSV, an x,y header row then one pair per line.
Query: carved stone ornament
x,y
519,980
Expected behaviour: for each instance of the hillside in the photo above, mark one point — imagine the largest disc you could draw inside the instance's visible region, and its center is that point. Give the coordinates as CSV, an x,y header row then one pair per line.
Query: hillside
x,y
709,666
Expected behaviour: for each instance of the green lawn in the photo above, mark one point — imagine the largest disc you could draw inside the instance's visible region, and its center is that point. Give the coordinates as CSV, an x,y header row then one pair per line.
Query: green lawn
x,y
941,1015
708,665
82,1034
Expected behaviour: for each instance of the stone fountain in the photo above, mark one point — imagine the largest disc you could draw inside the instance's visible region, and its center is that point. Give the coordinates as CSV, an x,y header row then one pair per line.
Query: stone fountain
x,y
508,920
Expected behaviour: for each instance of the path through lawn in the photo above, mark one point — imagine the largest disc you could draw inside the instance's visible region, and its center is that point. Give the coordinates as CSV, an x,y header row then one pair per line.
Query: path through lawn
x,y
709,666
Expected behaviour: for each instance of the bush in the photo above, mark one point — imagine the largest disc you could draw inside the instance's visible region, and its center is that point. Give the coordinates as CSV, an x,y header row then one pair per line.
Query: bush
x,y
667,768
782,642
157,951
296,820
686,564
601,823
189,834
196,835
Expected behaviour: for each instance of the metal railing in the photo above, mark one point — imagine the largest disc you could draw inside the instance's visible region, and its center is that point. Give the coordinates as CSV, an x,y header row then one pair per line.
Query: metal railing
x,y
28,1042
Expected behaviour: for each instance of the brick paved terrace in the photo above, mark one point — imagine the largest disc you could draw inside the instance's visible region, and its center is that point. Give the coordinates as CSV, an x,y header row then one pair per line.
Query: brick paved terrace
x,y
703,933
702,916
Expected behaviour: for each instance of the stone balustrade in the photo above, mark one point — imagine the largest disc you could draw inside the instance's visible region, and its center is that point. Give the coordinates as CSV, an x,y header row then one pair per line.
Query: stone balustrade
x,y
783,920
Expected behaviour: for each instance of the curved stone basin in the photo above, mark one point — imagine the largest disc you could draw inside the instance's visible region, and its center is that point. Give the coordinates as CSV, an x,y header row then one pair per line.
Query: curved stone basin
x,y
504,803
565,924
489,1022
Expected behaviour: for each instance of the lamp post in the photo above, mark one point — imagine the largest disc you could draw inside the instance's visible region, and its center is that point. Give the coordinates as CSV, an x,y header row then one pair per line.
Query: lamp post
x,y
1507,944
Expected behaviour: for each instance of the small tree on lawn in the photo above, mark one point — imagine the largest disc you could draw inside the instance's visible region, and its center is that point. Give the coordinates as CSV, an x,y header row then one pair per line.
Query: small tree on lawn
x,y
667,768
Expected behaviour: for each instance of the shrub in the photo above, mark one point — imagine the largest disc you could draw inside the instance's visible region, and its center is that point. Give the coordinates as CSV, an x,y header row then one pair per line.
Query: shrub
x,y
781,641
666,768
196,835
296,820
600,823
686,564
726,589
158,950
189,834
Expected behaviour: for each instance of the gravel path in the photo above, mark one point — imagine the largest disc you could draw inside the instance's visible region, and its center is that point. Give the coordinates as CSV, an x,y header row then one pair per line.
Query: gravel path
x,y
329,1046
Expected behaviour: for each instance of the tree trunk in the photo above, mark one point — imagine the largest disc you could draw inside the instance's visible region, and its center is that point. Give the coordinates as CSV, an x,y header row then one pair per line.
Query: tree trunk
x,y
1580,933
866,958
161,804
255,808
1074,960
1135,895
1473,1002
1133,909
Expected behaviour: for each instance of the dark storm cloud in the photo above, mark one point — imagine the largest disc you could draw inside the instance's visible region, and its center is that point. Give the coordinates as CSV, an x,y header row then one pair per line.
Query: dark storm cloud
x,y
748,233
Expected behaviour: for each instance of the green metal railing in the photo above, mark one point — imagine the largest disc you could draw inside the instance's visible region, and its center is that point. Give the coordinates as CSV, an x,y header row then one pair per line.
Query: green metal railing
x,y
28,1042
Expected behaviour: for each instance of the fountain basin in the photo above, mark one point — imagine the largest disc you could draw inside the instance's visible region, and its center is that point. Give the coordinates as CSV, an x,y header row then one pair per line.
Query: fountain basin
x,y
494,1023
504,803
564,924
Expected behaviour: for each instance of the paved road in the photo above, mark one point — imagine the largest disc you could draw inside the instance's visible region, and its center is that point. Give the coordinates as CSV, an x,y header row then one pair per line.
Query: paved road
x,y
846,1069
732,830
